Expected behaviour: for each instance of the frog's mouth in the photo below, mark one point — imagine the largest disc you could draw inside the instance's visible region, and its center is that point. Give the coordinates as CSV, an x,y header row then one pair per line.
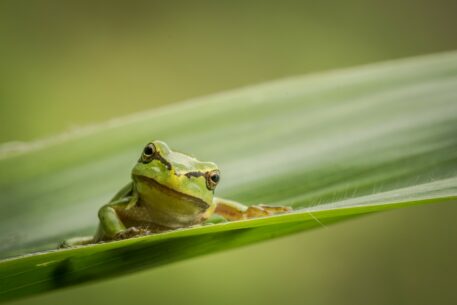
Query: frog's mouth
x,y
172,193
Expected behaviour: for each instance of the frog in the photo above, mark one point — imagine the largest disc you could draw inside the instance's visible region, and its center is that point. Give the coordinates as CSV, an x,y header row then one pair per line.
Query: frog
x,y
169,190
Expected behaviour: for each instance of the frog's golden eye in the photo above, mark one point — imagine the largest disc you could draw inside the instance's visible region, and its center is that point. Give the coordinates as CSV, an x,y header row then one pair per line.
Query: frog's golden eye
x,y
212,179
148,152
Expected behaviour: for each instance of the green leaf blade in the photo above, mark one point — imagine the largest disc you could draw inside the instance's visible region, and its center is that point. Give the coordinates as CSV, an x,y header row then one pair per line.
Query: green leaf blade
x,y
333,146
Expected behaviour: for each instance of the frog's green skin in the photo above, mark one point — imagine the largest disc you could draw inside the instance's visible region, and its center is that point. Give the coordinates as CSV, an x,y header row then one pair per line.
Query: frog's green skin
x,y
169,190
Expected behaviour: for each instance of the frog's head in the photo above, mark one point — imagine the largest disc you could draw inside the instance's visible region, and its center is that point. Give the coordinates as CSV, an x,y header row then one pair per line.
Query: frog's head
x,y
177,176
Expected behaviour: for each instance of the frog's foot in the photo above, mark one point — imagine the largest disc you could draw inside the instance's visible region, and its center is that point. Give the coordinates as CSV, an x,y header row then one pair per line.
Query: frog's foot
x,y
131,232
265,210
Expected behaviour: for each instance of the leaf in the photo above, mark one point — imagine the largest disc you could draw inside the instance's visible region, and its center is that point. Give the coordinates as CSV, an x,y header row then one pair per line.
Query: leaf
x,y
333,146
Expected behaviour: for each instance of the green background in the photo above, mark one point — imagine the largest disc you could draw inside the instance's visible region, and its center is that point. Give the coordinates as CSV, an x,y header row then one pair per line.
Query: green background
x,y
64,65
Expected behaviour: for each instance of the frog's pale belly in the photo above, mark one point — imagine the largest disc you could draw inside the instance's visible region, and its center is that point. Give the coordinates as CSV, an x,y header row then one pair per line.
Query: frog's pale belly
x,y
160,215
164,207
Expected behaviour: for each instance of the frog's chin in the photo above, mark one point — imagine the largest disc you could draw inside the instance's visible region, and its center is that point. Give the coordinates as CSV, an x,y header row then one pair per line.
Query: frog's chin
x,y
156,190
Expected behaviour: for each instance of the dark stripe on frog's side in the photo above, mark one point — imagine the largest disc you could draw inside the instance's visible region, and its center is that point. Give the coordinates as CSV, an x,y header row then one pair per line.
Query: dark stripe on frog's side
x,y
164,162
173,193
194,174
158,157
198,174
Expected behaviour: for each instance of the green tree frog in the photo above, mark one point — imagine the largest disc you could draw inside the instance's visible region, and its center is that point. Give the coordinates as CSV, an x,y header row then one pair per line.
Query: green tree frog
x,y
168,190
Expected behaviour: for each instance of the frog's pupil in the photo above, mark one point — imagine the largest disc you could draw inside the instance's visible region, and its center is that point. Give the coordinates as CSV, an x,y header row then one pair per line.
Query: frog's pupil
x,y
148,150
215,178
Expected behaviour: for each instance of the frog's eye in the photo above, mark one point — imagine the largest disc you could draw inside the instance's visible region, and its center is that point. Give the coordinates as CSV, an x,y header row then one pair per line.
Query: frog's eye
x,y
212,179
148,152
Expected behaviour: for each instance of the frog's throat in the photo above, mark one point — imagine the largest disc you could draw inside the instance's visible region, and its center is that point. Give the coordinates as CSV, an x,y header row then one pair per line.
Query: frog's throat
x,y
172,193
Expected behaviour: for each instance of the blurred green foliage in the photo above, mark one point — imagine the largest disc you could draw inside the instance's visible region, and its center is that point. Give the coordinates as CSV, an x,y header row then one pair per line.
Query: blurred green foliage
x,y
65,64
69,64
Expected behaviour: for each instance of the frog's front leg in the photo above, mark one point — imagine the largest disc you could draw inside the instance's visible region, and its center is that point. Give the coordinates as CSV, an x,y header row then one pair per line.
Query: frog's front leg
x,y
111,225
232,210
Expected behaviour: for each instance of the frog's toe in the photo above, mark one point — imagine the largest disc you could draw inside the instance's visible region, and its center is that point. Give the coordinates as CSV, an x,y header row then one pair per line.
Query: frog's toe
x,y
127,233
272,209
63,245
265,210
131,232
